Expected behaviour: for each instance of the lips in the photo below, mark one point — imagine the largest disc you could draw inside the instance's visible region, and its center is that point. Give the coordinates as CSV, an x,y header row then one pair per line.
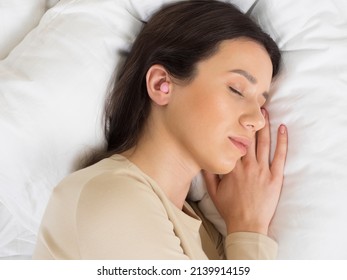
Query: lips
x,y
241,143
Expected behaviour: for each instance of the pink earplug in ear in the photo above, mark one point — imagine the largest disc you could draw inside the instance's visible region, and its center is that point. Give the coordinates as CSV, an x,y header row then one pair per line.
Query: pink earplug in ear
x,y
164,87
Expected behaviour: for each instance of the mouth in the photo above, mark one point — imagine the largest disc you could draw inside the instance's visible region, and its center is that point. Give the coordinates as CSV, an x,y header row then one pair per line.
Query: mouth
x,y
242,144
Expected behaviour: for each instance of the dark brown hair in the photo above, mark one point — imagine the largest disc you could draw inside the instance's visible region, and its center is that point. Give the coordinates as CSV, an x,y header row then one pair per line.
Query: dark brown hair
x,y
177,37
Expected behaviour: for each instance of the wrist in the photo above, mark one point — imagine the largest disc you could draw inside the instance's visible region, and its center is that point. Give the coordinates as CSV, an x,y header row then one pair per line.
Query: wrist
x,y
247,227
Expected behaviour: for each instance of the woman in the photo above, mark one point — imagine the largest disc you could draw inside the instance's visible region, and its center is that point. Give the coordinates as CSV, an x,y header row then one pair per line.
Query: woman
x,y
188,98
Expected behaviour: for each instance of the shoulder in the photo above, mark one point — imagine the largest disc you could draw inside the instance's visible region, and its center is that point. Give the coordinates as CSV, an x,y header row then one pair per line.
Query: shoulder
x,y
120,216
111,178
111,187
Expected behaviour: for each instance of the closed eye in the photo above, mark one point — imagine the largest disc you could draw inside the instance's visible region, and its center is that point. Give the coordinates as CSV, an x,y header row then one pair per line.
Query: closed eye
x,y
235,91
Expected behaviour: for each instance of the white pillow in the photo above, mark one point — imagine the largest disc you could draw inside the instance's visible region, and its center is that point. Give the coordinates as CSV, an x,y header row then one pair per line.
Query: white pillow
x,y
52,91
310,98
17,18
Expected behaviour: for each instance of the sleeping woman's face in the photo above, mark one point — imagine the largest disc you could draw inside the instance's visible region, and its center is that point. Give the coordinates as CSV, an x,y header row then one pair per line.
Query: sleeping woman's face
x,y
215,117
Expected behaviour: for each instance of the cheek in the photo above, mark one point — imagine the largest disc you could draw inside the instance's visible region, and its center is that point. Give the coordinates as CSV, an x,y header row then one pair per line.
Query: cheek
x,y
202,123
213,108
205,112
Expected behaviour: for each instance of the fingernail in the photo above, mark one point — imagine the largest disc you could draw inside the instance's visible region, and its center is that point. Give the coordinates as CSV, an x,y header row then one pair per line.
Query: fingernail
x,y
282,129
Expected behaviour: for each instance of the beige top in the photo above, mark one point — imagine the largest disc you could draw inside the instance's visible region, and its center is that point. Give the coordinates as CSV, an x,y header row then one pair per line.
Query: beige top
x,y
112,210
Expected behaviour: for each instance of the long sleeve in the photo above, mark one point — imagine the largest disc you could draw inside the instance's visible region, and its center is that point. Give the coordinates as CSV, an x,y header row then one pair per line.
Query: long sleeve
x,y
114,211
249,246
235,246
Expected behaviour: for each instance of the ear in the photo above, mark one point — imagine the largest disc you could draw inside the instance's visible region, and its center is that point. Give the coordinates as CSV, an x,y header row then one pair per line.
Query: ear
x,y
159,85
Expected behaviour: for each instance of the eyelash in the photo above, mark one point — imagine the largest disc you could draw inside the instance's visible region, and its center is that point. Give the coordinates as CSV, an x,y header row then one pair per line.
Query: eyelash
x,y
235,91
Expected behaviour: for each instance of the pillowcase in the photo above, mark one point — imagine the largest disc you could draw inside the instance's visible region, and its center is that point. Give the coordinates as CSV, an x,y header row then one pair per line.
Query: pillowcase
x,y
310,98
53,88
17,18
52,92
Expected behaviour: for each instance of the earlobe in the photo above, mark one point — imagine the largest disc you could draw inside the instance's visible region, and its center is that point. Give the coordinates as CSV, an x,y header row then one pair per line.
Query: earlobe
x,y
158,84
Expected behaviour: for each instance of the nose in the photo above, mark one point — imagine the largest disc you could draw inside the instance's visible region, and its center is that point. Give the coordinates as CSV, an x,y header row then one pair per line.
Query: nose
x,y
253,119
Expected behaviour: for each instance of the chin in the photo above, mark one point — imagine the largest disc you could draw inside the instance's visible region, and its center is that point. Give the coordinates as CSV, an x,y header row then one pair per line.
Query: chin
x,y
225,167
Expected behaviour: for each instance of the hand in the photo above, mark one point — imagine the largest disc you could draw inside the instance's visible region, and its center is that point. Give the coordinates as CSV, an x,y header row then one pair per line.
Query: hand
x,y
247,197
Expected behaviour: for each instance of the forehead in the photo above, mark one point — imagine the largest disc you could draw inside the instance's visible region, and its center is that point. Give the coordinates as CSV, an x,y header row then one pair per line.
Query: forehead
x,y
240,54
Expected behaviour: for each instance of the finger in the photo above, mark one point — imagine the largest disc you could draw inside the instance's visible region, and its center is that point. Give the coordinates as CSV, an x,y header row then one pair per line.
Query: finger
x,y
237,168
251,154
277,165
264,141
212,182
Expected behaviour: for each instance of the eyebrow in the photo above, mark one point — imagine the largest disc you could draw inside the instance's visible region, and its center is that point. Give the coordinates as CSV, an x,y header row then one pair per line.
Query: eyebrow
x,y
250,78
244,73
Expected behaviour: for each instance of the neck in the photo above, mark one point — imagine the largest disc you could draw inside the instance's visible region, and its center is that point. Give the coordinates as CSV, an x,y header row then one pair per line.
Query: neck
x,y
161,158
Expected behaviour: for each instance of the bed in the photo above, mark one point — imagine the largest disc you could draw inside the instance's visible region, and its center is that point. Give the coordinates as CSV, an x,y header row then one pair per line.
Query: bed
x,y
57,58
